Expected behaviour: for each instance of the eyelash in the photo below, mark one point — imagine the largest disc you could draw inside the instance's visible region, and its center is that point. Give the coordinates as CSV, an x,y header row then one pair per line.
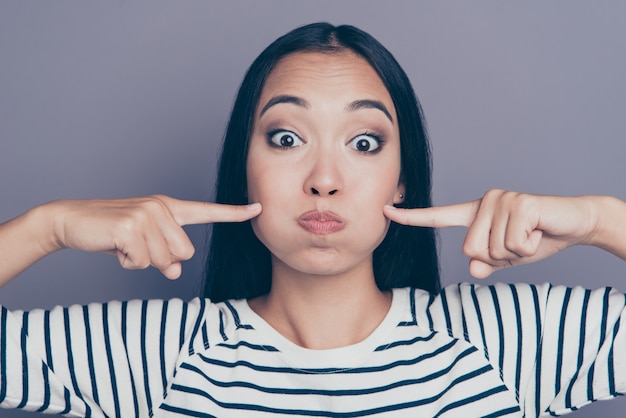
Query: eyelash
x,y
376,137
273,132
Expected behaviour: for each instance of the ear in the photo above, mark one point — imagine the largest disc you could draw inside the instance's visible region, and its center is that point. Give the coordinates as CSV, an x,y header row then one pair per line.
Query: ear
x,y
398,197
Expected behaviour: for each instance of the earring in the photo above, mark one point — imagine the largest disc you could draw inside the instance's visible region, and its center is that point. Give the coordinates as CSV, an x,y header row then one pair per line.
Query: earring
x,y
401,195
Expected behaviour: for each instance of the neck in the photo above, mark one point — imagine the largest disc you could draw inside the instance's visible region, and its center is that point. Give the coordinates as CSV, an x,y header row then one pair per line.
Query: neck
x,y
323,311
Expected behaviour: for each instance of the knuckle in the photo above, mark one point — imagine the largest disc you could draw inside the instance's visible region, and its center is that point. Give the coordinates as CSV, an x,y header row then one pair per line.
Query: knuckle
x,y
183,251
525,202
512,240
142,265
153,205
513,245
136,262
498,253
159,197
188,252
470,250
161,262
141,261
509,194
493,194
521,249
141,215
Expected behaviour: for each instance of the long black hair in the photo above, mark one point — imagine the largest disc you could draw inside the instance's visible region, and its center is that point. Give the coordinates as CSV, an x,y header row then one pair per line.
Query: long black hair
x,y
238,264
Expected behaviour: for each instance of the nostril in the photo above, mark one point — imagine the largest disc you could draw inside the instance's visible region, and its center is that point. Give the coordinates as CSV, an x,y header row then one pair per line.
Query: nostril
x,y
317,192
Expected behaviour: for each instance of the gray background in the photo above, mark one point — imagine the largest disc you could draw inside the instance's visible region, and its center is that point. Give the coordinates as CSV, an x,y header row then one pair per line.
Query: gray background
x,y
121,98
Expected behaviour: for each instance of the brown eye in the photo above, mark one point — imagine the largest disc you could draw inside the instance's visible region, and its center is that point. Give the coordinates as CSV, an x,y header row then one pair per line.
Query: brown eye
x,y
365,143
285,139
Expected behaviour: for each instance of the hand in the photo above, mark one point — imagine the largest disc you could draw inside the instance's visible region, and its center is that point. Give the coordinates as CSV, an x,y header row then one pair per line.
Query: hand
x,y
141,231
508,228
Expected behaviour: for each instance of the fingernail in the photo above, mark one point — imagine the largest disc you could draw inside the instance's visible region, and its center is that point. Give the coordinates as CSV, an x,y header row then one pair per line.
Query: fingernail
x,y
253,207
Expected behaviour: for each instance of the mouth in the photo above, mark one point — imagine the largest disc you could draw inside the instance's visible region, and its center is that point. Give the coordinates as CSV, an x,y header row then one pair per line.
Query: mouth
x,y
321,223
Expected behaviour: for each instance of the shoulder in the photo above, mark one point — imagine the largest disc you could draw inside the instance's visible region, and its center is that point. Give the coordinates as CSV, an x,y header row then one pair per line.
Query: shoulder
x,y
469,310
459,303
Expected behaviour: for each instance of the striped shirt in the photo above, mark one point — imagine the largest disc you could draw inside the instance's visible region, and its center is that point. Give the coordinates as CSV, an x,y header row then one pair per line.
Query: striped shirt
x,y
503,350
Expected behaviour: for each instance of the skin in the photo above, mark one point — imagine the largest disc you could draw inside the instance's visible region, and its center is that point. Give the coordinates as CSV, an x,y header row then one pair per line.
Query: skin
x,y
141,231
317,278
508,228
323,171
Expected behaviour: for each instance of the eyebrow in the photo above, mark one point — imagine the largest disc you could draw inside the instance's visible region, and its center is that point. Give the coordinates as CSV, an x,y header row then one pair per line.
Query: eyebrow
x,y
284,98
369,104
355,105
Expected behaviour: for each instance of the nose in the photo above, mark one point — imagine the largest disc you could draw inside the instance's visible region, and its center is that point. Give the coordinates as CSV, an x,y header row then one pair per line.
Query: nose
x,y
325,177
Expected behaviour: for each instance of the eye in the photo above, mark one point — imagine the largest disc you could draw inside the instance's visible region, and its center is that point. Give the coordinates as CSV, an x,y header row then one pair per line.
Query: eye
x,y
366,143
284,139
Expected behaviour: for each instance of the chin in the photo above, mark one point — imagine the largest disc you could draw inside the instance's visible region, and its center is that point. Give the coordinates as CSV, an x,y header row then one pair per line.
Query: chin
x,y
315,261
322,262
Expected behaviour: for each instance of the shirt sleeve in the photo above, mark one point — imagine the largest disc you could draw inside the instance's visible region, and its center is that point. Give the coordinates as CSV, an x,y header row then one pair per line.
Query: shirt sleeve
x,y
557,348
112,359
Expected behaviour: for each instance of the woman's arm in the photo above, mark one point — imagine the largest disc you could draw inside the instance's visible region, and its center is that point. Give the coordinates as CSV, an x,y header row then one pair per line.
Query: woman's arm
x,y
508,228
22,243
610,233
141,231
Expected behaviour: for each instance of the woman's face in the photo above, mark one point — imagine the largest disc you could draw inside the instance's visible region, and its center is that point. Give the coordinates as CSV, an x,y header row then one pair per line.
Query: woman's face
x,y
324,159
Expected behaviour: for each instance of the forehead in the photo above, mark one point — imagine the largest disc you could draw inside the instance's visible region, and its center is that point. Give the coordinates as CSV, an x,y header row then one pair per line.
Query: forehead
x,y
341,76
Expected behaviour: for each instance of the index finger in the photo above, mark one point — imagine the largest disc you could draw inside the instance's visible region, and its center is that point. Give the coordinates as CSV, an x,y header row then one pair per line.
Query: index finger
x,y
460,214
187,212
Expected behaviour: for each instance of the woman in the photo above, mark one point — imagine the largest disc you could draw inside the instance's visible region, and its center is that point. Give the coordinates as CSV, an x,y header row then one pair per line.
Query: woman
x,y
325,307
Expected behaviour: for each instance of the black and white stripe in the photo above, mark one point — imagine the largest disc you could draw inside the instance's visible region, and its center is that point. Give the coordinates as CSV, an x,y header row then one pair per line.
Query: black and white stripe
x,y
504,350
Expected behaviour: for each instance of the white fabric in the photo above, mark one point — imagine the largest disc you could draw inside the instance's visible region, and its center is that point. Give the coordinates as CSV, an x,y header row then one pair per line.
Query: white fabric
x,y
504,350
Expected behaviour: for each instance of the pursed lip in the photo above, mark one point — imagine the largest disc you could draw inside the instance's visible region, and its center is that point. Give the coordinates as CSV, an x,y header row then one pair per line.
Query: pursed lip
x,y
321,222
